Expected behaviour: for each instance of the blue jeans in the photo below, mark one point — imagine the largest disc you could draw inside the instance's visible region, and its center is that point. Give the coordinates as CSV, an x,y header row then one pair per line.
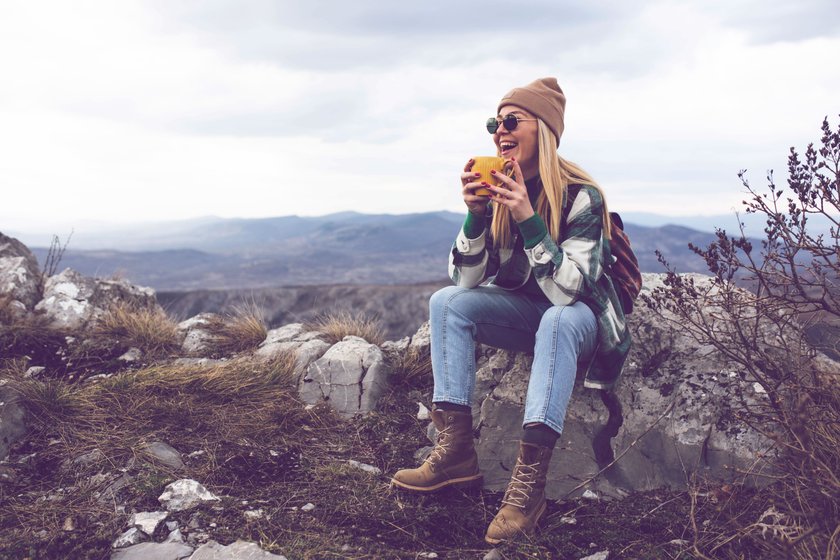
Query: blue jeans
x,y
557,335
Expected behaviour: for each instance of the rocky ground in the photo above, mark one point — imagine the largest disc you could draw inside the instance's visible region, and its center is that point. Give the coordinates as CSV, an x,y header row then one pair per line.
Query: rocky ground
x,y
125,435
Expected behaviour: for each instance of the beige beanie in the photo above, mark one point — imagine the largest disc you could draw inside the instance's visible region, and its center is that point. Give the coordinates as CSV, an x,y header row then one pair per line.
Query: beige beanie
x,y
543,98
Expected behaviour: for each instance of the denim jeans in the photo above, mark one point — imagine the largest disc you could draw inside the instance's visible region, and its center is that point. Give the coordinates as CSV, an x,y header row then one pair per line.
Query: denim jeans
x,y
557,335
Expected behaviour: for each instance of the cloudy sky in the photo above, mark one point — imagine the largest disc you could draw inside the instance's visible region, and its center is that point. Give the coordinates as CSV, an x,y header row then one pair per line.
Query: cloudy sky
x,y
124,111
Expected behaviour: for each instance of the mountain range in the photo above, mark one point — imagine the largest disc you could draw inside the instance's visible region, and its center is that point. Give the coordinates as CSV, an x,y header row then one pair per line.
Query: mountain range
x,y
344,248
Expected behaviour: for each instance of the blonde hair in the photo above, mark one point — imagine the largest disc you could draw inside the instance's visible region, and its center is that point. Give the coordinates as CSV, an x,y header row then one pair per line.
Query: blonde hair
x,y
556,174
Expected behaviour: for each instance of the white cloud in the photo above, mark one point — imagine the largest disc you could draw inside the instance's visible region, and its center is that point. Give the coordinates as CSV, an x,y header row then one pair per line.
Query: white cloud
x,y
144,110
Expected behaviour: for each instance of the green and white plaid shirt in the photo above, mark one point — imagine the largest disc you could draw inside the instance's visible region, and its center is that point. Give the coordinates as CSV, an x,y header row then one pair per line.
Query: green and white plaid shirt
x,y
567,270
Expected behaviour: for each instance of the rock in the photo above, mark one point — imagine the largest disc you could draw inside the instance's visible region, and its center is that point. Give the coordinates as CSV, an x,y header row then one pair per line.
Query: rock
x,y
7,474
34,371
171,525
19,274
175,536
198,339
72,301
148,521
83,461
427,555
130,537
239,550
603,555
185,494
131,355
307,346
253,514
397,348
590,495
421,342
367,468
568,520
423,413
350,376
307,508
165,454
109,494
13,420
681,388
154,551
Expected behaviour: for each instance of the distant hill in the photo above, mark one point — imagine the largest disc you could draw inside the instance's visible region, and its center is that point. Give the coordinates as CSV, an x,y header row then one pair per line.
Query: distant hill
x,y
346,248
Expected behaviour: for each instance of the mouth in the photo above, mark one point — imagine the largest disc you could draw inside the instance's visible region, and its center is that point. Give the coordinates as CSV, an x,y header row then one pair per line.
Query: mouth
x,y
507,147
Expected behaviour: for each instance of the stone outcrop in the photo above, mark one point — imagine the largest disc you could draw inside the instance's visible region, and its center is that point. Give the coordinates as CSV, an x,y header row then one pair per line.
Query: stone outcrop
x,y
677,399
308,346
350,376
71,300
19,274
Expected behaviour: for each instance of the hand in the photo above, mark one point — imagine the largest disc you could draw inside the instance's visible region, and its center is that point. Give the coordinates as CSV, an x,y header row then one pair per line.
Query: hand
x,y
512,193
477,204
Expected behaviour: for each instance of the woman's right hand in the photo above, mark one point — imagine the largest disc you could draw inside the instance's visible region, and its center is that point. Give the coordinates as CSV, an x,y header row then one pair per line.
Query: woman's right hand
x,y
477,204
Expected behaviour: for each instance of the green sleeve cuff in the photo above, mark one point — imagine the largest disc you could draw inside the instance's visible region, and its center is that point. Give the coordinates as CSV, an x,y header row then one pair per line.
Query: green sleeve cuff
x,y
474,225
533,230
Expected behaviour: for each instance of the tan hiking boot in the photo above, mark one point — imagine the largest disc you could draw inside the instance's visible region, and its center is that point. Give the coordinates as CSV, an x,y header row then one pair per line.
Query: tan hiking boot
x,y
453,459
524,500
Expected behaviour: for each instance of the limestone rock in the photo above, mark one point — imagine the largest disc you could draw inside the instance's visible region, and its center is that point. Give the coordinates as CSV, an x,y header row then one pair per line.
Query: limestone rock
x,y
350,376
307,345
365,467
154,551
197,337
240,550
685,389
128,538
603,555
148,521
165,454
185,494
421,342
72,301
13,420
19,273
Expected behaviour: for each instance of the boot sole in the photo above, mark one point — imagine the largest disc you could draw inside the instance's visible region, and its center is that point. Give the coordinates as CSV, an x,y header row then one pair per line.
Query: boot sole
x,y
444,484
494,542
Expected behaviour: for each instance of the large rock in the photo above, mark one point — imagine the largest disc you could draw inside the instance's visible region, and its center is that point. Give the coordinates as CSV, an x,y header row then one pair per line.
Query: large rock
x,y
154,551
350,376
239,550
678,399
198,340
12,420
71,300
19,273
308,346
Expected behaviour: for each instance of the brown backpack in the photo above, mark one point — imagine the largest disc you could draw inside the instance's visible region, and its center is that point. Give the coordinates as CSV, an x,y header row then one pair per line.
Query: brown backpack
x,y
624,268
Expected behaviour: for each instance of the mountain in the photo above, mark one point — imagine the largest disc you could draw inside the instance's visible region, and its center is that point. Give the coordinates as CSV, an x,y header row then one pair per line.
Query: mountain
x,y
346,248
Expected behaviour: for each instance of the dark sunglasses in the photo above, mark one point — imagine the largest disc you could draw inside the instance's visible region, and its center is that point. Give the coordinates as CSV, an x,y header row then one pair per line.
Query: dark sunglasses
x,y
510,121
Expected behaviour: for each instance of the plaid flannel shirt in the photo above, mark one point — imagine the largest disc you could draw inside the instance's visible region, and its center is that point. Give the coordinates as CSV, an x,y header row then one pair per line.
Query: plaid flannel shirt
x,y
567,271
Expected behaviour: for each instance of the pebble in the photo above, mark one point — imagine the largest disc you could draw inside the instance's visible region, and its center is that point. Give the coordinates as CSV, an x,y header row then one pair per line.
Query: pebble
x,y
494,554
423,412
308,507
427,555
590,495
568,521
253,514
603,555
365,467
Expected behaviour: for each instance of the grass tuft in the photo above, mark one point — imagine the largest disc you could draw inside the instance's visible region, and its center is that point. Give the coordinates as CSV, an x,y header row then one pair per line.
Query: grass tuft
x,y
243,329
338,324
149,329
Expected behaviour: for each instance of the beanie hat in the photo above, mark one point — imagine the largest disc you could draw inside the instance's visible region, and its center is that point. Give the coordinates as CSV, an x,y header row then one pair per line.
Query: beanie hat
x,y
543,98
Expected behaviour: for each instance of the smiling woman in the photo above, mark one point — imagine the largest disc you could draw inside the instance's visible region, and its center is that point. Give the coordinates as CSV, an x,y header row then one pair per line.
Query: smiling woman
x,y
528,266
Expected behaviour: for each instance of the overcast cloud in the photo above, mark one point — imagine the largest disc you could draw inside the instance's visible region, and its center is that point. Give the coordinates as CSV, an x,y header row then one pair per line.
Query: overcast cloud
x,y
151,110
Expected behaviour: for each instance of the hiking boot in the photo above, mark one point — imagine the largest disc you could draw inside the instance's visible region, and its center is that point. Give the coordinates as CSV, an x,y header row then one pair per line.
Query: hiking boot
x,y
524,500
453,459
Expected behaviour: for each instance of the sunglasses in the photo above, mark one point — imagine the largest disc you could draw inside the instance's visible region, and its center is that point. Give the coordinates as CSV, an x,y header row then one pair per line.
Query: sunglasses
x,y
510,121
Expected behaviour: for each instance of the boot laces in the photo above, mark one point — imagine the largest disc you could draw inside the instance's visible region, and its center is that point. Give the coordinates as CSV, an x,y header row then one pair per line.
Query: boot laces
x,y
441,447
521,484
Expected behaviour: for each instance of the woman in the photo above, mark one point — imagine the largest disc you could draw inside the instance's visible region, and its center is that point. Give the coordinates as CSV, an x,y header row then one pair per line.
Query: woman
x,y
541,242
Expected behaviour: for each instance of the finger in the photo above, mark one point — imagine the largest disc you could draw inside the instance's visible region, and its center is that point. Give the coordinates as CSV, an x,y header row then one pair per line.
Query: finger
x,y
469,165
471,186
502,178
517,171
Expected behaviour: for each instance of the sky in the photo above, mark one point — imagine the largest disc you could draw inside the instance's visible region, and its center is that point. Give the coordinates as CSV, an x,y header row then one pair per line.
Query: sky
x,y
138,111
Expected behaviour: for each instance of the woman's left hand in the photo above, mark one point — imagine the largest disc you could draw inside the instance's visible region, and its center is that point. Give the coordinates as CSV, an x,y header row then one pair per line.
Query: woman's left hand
x,y
513,193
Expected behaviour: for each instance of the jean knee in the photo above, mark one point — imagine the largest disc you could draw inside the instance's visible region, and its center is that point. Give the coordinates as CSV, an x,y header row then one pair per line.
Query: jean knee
x,y
440,299
573,321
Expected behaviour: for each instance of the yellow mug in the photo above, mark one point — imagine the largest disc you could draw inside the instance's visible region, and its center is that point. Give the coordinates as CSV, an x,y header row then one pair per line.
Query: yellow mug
x,y
483,165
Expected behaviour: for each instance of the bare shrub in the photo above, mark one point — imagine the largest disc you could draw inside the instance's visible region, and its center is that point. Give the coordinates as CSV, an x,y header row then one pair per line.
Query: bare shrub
x,y
338,324
793,281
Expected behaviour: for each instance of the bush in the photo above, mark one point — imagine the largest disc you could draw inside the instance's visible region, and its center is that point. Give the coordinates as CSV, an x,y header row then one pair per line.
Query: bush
x,y
793,287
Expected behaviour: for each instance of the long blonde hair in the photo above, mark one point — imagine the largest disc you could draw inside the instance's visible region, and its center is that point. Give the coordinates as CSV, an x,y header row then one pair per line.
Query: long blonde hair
x,y
556,174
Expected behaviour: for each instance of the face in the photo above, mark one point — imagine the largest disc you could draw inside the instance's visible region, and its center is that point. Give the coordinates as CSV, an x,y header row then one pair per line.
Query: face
x,y
520,143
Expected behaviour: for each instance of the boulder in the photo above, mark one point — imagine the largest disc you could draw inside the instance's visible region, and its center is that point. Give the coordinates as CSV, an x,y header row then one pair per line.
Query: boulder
x,y
198,340
678,400
308,346
12,420
19,274
72,301
350,376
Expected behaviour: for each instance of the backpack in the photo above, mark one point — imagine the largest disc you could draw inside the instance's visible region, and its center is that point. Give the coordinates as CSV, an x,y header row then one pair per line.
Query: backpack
x,y
624,268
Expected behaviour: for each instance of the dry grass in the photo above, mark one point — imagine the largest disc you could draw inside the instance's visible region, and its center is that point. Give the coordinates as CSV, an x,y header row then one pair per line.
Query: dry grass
x,y
149,329
243,329
338,324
